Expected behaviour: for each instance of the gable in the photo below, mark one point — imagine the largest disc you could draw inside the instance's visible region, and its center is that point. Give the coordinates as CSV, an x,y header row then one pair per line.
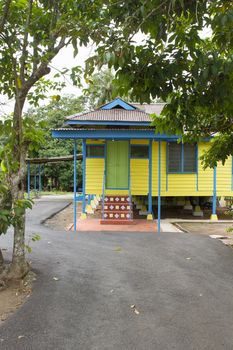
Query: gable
x,y
119,104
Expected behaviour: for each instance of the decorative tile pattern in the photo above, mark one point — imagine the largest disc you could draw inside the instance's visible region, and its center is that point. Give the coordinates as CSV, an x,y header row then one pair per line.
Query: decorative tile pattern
x,y
117,208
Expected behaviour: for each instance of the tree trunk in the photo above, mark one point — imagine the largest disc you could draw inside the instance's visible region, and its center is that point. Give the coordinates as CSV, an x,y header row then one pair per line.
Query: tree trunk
x,y
19,267
1,261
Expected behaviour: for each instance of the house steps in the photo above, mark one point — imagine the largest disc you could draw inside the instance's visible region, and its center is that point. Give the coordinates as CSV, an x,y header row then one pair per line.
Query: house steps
x,y
117,210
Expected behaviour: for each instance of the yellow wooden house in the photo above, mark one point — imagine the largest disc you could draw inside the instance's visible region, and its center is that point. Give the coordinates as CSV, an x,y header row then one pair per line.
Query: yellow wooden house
x,y
125,161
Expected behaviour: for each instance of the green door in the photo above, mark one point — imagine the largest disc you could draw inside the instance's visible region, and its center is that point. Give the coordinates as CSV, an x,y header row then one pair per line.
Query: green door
x,y
117,164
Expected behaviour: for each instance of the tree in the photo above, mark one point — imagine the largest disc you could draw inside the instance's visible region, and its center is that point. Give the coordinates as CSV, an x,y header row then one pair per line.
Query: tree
x,y
53,115
100,88
186,59
31,34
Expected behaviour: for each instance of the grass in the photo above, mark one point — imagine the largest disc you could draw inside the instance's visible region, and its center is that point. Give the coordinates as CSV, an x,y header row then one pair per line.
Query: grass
x,y
47,193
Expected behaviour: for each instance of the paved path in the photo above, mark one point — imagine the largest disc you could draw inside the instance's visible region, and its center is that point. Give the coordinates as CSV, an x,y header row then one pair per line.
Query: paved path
x,y
181,284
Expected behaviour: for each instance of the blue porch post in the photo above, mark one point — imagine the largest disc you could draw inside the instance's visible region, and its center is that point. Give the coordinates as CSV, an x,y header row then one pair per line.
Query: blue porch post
x,y
84,215
35,178
159,185
75,185
40,183
214,205
150,214
29,179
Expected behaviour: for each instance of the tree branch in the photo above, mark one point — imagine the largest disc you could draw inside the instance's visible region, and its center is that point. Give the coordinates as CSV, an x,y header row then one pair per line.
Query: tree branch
x,y
25,42
5,15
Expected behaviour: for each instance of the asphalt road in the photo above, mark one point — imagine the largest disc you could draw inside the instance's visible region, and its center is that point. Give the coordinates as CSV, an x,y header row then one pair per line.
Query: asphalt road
x,y
181,284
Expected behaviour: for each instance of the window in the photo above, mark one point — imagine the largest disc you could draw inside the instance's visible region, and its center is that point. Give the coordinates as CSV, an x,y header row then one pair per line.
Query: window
x,y
181,158
140,151
174,157
95,151
189,158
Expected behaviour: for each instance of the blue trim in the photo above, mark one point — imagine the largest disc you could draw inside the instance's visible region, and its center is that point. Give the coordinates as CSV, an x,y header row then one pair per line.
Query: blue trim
x,y
107,122
197,184
40,182
29,179
159,186
79,198
150,179
75,186
214,191
166,167
112,134
84,176
89,199
118,102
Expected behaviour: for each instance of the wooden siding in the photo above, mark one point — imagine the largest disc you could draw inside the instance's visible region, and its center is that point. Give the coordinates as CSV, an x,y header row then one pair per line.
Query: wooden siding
x,y
155,168
139,175
181,185
171,184
94,175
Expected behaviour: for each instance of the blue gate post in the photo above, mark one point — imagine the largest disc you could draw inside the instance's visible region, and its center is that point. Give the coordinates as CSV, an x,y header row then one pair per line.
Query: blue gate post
x,y
40,182
214,205
35,178
84,215
159,185
75,185
29,178
150,214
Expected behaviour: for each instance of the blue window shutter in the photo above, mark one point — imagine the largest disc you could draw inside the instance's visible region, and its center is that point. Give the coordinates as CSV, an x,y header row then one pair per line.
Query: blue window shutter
x,y
190,165
174,157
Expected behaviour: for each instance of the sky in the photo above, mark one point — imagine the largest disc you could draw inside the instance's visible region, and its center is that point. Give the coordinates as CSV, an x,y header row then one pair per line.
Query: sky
x,y
64,59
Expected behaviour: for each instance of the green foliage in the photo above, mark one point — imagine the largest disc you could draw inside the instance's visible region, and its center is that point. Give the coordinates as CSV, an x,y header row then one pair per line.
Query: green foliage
x,y
57,175
34,238
100,89
185,58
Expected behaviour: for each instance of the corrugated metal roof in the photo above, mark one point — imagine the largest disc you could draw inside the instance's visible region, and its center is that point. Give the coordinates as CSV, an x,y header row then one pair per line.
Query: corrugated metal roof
x,y
116,114
150,108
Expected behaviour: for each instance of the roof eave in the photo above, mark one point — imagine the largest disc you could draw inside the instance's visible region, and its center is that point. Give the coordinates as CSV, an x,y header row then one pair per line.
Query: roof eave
x,y
108,122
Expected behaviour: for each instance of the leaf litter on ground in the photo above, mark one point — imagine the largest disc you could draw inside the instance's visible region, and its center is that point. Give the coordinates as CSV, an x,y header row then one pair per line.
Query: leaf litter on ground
x,y
135,310
118,249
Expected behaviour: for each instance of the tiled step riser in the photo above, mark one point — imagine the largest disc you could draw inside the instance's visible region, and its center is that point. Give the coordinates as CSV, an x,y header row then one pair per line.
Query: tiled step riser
x,y
117,216
117,210
119,207
117,199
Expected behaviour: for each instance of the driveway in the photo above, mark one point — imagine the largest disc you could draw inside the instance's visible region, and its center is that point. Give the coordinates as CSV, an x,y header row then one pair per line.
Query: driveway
x,y
181,284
